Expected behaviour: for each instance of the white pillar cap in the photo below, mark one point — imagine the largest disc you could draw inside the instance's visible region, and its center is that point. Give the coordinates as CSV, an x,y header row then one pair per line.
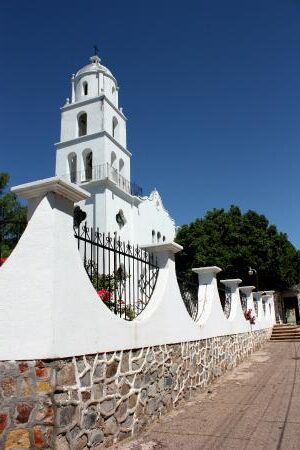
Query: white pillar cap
x,y
207,270
54,184
231,282
257,295
172,247
246,289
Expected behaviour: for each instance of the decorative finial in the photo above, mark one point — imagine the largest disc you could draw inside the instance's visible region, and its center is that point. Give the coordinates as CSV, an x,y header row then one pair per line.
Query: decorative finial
x,y
95,58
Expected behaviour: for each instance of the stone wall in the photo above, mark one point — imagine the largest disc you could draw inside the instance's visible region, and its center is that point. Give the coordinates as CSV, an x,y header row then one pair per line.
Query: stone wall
x,y
26,405
92,401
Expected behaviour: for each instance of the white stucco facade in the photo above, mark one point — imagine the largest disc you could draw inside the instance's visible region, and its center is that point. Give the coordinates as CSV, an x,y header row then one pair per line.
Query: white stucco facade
x,y
93,153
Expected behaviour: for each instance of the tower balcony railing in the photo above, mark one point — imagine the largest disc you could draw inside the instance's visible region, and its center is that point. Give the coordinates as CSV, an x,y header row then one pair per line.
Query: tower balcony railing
x,y
104,172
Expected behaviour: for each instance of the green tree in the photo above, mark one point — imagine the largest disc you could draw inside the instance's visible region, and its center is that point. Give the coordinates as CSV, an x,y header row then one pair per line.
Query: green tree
x,y
12,217
235,241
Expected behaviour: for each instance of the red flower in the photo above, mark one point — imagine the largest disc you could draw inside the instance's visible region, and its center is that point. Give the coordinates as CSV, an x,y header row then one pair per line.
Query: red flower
x,y
248,316
2,260
104,294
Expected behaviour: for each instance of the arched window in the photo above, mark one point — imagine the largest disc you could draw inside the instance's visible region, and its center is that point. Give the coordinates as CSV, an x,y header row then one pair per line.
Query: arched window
x,y
158,237
113,169
72,161
82,124
153,236
113,159
121,166
88,166
85,88
115,128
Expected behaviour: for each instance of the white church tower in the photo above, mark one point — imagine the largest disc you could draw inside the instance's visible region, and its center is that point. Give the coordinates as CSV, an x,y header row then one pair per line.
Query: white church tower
x,y
92,152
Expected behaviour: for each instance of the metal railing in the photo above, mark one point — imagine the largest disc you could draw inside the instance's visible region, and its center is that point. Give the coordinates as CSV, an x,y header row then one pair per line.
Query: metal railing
x,y
103,172
189,293
226,299
255,307
243,298
123,275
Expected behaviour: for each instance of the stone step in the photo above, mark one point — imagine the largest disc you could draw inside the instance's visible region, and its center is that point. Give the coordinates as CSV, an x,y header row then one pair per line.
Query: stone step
x,y
286,330
285,333
285,339
286,336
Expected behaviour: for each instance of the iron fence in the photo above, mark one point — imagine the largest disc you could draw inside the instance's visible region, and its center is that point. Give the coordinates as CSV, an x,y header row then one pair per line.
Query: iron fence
x,y
189,293
243,298
123,275
255,306
225,298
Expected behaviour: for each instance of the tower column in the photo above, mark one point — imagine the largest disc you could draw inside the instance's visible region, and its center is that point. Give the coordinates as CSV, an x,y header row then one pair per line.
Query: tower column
x,y
73,89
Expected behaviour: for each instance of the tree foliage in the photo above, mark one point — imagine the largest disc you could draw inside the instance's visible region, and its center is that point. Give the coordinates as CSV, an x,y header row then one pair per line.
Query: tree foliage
x,y
12,217
234,241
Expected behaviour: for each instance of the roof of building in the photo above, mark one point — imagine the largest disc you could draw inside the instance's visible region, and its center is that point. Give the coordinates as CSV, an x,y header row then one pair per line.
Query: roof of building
x,y
93,66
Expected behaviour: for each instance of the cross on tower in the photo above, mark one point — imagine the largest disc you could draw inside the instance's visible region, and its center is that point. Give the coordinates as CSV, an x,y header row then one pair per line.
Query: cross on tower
x,y
96,50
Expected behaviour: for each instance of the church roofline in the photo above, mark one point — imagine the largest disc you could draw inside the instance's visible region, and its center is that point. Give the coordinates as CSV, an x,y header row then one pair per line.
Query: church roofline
x,y
92,100
155,195
88,137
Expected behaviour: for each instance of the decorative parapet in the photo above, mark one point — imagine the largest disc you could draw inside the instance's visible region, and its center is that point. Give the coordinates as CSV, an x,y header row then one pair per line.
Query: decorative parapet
x,y
55,301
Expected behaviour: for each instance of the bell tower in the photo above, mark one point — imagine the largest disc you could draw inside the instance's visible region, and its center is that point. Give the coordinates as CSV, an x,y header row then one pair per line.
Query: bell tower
x,y
92,145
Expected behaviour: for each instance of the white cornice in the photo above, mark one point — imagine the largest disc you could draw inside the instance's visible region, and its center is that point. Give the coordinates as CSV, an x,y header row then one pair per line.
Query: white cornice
x,y
88,137
54,184
92,100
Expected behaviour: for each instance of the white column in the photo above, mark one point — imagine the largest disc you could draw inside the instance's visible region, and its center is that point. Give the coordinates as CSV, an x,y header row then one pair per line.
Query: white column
x,y
270,295
257,297
117,97
38,282
207,291
233,286
101,83
73,89
247,290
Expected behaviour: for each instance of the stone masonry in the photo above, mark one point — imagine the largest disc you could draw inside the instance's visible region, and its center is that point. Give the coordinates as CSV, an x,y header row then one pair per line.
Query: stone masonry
x,y
94,400
26,405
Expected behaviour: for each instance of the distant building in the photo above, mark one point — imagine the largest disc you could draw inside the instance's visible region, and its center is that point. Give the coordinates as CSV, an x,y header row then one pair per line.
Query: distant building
x,y
93,153
287,305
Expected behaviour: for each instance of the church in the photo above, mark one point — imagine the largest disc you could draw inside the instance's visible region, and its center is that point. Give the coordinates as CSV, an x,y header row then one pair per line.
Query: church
x,y
93,153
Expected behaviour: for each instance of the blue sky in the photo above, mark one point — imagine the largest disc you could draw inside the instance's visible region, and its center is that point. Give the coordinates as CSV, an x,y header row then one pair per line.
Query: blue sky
x,y
211,90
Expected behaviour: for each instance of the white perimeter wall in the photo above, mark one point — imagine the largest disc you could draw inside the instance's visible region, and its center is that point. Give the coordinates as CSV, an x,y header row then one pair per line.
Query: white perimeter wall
x,y
49,308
